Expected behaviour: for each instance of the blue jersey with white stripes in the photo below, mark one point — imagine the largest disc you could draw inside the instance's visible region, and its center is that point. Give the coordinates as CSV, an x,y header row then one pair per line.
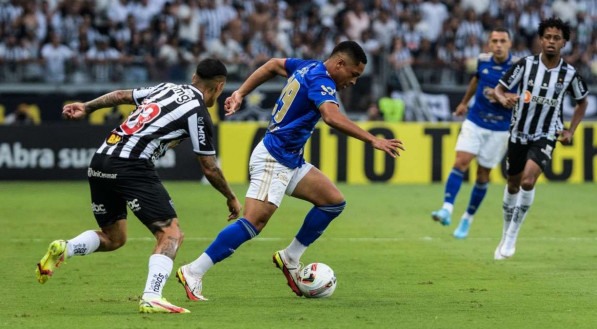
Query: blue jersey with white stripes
x,y
486,112
297,110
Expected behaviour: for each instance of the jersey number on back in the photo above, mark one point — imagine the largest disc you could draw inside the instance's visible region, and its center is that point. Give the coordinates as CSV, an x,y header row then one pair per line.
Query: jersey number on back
x,y
144,113
286,98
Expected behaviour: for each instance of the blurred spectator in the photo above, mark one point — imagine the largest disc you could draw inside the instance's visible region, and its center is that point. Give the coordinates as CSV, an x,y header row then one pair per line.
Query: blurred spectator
x,y
399,57
469,26
138,59
103,61
173,60
356,20
425,62
450,60
12,59
385,27
189,25
54,56
529,21
433,14
566,10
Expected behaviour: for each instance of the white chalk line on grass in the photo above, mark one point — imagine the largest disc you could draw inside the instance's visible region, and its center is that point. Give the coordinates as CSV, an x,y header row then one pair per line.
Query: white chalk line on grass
x,y
360,239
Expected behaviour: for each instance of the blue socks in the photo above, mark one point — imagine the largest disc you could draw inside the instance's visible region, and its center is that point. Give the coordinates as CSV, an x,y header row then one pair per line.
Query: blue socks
x,y
453,185
477,195
317,221
230,238
237,233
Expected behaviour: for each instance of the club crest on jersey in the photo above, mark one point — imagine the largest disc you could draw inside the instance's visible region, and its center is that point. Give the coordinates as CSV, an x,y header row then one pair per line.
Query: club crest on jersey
x,y
327,91
113,139
559,87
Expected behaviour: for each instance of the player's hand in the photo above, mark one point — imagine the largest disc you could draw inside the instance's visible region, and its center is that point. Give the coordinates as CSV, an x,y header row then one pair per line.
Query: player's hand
x,y
232,103
564,137
390,146
74,111
461,110
509,100
234,207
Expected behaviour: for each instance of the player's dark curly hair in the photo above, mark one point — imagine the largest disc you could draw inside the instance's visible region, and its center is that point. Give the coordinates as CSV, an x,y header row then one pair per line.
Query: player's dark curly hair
x,y
352,49
209,68
558,24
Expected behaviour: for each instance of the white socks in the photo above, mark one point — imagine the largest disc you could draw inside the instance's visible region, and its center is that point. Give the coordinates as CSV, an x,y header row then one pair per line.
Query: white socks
x,y
522,207
449,207
510,201
295,251
160,267
83,244
200,265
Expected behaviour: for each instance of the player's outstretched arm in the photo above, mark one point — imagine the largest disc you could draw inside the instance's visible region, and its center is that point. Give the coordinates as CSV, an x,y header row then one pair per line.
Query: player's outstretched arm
x,y
76,111
265,72
331,115
214,175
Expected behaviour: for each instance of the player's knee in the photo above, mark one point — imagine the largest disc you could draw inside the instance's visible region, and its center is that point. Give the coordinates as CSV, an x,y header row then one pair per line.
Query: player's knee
x,y
528,183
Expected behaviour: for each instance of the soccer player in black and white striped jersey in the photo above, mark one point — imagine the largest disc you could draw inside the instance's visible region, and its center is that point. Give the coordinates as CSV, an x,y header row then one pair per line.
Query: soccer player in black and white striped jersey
x,y
121,173
537,124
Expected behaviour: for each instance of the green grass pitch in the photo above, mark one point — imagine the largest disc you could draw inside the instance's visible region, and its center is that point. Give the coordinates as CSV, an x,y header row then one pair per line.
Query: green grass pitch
x,y
396,268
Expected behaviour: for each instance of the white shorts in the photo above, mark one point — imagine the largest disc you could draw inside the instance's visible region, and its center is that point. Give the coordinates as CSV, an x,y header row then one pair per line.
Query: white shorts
x,y
271,179
489,146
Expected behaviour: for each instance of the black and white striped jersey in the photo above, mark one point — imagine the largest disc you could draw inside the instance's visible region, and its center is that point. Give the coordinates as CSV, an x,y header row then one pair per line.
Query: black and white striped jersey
x,y
538,113
165,115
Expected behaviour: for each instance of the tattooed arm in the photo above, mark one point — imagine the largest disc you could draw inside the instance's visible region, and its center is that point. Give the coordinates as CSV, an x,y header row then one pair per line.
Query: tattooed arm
x,y
216,178
76,111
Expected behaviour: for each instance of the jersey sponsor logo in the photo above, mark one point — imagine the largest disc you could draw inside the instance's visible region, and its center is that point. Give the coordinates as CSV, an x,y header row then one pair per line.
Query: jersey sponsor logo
x,y
98,209
183,95
527,96
134,205
201,132
325,90
145,113
544,101
100,174
113,139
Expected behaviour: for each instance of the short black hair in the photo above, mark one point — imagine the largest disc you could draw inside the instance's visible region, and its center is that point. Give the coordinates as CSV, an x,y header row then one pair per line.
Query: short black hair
x,y
502,29
558,24
210,68
353,50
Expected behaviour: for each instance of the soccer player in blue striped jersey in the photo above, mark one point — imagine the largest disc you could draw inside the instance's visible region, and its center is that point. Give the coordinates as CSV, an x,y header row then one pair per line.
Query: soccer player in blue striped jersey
x,y
277,166
484,132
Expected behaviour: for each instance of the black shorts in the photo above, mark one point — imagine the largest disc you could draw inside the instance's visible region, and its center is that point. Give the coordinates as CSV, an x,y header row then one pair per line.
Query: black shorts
x,y
116,183
540,151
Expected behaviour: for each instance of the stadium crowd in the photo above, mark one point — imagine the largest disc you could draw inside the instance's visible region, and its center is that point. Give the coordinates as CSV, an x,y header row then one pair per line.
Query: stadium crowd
x,y
80,41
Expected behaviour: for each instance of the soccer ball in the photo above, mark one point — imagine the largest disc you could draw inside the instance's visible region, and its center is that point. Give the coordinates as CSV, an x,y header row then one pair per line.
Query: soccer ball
x,y
317,280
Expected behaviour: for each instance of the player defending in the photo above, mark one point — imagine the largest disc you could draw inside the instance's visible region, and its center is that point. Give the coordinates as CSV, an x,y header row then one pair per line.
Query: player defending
x,y
277,166
484,133
122,173
542,82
